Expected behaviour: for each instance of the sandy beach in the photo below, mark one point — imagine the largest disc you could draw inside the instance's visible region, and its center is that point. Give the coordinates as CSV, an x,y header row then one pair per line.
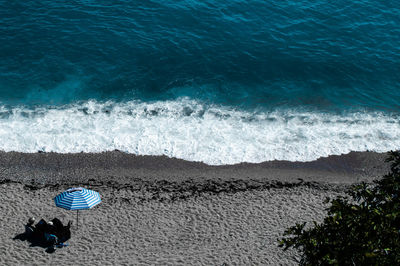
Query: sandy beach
x,y
163,211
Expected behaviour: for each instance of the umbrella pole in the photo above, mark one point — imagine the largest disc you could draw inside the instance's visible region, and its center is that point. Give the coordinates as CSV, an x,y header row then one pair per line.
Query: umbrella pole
x,y
77,213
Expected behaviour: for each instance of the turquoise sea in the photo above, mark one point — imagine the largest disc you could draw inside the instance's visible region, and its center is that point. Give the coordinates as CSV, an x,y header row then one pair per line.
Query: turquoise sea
x,y
215,81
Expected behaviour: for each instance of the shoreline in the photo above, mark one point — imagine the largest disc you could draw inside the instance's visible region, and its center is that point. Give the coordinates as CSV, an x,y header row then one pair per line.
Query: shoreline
x,y
123,168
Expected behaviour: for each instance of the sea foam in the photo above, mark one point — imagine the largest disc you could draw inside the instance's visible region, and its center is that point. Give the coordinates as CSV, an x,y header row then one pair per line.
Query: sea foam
x,y
194,131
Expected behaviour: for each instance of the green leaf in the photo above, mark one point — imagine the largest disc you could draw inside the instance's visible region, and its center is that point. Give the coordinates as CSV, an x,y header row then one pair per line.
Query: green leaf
x,y
363,229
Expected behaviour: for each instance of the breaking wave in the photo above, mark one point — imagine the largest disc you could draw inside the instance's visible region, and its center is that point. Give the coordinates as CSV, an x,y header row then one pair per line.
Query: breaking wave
x,y
195,131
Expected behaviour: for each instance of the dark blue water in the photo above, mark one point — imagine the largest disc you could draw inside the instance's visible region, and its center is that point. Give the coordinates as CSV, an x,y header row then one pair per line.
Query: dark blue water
x,y
323,55
215,81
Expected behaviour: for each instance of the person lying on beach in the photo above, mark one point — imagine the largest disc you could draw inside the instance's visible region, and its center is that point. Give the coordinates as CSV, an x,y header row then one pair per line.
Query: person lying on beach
x,y
53,232
29,227
45,231
49,235
62,232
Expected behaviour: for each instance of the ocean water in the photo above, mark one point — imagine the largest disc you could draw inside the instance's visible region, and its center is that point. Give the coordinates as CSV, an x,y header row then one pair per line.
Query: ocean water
x,y
220,82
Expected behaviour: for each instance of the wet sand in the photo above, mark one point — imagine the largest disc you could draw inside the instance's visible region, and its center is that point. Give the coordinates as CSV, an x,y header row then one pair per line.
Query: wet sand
x,y
158,210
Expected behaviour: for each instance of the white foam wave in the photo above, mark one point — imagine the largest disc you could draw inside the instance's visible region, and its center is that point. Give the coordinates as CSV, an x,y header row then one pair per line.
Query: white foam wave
x,y
192,131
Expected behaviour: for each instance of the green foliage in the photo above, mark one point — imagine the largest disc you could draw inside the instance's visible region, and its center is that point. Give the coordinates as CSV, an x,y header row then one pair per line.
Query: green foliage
x,y
362,228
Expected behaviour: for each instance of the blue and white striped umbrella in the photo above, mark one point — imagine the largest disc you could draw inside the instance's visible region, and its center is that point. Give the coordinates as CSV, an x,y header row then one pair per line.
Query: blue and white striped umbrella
x,y
77,199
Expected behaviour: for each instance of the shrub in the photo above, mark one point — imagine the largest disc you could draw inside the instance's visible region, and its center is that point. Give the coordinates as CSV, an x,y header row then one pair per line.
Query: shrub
x,y
361,228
